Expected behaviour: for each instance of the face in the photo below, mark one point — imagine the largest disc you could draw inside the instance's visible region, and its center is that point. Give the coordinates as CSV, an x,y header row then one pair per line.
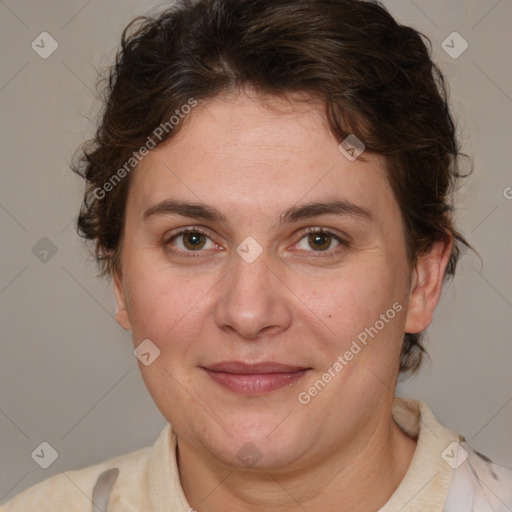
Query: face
x,y
270,271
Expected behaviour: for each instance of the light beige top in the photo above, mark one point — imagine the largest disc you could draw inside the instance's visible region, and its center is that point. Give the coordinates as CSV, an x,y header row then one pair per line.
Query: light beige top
x,y
445,474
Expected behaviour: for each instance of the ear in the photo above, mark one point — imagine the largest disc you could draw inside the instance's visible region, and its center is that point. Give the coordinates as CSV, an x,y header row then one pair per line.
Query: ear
x,y
122,316
426,286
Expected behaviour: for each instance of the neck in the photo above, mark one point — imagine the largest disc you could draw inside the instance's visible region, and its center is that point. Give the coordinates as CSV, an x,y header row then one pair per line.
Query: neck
x,y
360,477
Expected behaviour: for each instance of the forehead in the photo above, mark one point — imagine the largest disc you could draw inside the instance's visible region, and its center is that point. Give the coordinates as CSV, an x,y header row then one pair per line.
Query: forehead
x,y
260,154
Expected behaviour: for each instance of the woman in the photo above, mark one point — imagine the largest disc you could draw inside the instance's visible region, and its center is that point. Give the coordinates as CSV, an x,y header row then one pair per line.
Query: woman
x,y
269,189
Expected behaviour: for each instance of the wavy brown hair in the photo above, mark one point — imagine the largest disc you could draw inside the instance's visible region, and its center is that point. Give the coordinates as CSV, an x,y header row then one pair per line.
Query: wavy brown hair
x,y
374,76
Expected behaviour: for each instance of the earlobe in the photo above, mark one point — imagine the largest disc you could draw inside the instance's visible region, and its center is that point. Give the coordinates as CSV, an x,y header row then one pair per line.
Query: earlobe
x,y
426,286
122,316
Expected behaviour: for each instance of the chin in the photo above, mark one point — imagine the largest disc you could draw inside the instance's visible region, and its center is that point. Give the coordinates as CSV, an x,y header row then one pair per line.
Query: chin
x,y
256,443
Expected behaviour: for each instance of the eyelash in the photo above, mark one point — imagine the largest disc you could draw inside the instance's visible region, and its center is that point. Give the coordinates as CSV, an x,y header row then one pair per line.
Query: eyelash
x,y
317,254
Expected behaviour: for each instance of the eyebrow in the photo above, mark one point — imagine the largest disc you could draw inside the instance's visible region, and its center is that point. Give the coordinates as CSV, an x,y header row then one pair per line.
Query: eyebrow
x,y
293,214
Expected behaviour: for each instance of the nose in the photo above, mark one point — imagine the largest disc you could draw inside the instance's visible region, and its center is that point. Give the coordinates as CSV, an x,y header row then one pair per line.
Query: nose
x,y
255,298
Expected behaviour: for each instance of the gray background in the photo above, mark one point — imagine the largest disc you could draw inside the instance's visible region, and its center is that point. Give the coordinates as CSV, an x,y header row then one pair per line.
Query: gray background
x,y
67,371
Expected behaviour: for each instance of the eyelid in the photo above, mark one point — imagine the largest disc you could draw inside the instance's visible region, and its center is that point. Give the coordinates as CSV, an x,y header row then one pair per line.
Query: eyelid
x,y
186,229
182,231
319,229
342,240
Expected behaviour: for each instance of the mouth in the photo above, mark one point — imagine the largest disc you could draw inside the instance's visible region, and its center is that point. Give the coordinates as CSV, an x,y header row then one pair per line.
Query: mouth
x,y
254,379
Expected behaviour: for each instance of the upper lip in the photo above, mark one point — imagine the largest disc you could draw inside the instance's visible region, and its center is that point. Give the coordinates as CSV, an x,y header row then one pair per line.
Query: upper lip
x,y
240,368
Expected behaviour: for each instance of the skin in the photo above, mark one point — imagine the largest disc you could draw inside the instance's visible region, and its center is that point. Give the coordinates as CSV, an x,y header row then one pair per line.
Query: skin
x,y
293,304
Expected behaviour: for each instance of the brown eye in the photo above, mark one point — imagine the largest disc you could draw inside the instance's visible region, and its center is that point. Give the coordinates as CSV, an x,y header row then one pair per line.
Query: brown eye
x,y
194,241
190,240
320,241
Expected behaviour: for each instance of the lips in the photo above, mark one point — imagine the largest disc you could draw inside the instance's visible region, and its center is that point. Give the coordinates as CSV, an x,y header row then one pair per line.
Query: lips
x,y
251,369
254,379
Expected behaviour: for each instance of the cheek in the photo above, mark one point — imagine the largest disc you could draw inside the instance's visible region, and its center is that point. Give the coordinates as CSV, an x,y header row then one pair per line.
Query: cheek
x,y
359,314
365,319
349,301
166,308
154,306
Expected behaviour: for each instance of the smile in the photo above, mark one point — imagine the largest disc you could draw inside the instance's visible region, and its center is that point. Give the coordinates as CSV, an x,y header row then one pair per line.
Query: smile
x,y
254,379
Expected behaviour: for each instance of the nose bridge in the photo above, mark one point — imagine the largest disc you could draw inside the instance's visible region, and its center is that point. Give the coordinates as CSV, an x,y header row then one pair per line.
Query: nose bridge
x,y
252,299
249,284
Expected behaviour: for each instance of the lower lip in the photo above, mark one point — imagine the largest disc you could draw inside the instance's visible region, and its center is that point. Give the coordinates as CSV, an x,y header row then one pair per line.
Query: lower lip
x,y
255,384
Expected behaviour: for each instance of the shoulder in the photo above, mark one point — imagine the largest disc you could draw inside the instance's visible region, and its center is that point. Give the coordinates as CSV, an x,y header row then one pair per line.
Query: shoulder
x,y
479,484
71,491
